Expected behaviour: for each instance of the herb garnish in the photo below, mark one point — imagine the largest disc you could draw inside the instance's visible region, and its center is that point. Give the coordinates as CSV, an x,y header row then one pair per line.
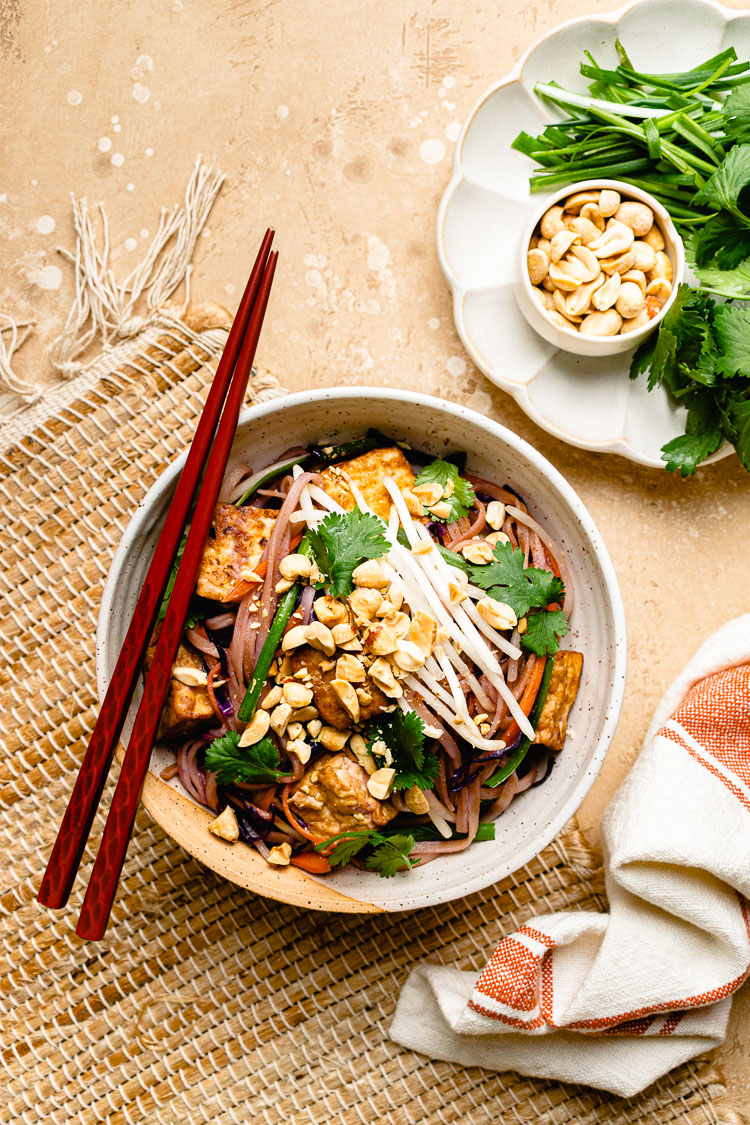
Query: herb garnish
x,y
344,540
701,354
528,591
403,734
390,853
461,498
250,764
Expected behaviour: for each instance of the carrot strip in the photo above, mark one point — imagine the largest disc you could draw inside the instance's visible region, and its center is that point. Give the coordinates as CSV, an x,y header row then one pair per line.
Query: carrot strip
x,y
526,701
310,861
294,543
293,819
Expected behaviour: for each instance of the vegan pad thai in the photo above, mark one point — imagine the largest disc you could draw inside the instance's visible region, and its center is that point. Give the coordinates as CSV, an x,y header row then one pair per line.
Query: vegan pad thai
x,y
370,672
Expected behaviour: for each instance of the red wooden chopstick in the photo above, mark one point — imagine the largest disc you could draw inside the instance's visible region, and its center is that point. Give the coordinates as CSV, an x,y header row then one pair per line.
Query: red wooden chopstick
x,y
76,824
105,875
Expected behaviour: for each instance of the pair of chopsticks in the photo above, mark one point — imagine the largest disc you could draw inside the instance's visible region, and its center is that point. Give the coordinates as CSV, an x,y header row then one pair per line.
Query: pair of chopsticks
x,y
210,451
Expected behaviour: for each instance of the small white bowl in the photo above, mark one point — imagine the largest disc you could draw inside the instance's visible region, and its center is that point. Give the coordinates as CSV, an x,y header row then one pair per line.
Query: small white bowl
x,y
567,339
597,630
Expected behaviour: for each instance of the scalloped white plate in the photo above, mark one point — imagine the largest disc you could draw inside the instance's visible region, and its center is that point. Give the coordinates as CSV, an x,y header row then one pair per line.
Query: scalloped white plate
x,y
590,403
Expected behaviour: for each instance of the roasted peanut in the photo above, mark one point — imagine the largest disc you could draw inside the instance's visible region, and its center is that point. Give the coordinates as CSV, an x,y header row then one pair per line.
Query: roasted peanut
x,y
561,304
659,288
638,276
645,256
538,264
584,228
580,198
654,238
662,267
551,222
620,263
638,216
592,212
609,201
629,300
616,239
637,322
602,323
561,243
605,296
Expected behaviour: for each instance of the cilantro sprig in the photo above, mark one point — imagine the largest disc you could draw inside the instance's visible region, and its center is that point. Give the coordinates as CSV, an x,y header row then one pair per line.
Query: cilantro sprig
x,y
250,764
529,591
461,499
522,588
344,540
403,734
389,854
701,354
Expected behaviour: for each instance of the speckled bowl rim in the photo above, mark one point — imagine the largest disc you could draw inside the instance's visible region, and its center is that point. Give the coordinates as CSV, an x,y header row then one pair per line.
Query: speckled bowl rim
x,y
518,392
177,814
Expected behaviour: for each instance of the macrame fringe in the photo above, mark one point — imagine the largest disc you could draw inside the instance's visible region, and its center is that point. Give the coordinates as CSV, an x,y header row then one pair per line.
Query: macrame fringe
x,y
106,310
15,393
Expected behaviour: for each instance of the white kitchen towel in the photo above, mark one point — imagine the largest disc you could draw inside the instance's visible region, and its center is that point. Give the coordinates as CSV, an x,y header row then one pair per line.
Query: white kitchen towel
x,y
616,1000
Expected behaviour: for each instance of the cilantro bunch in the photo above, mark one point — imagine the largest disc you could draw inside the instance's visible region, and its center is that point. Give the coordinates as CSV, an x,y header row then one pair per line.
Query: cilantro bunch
x,y
701,354
529,591
403,734
461,497
254,765
341,542
387,854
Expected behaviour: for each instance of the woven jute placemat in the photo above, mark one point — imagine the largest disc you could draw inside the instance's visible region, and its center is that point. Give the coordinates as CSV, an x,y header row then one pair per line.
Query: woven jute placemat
x,y
205,1002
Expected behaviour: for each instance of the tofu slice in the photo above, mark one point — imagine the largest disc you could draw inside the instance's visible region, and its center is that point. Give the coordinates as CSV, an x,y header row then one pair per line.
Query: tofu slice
x,y
563,689
186,709
367,472
237,542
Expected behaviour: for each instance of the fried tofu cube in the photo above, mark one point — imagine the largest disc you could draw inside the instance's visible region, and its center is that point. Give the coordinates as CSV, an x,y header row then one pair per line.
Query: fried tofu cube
x,y
186,708
234,548
563,689
367,472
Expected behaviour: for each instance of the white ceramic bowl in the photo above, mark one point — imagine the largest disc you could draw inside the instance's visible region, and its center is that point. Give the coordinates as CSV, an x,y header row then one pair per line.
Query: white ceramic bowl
x,y
597,629
567,339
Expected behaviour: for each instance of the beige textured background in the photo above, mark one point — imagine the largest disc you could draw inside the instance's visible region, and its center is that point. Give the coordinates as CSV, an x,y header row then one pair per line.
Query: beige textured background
x,y
317,114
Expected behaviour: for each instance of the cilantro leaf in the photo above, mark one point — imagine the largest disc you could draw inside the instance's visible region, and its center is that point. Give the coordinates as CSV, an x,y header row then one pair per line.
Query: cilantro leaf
x,y
543,631
702,436
725,238
344,540
392,856
507,580
734,284
737,428
348,844
250,764
737,114
731,325
445,473
403,734
722,191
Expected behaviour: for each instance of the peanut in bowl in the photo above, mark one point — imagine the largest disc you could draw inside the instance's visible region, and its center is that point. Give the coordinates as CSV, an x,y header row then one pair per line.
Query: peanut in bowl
x,y
598,267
